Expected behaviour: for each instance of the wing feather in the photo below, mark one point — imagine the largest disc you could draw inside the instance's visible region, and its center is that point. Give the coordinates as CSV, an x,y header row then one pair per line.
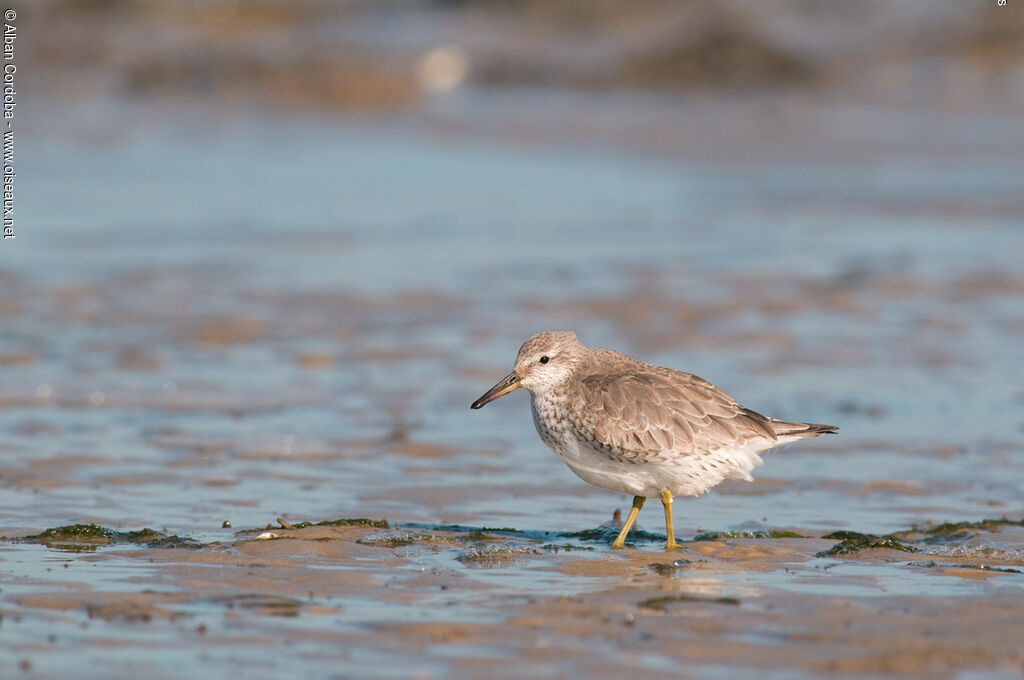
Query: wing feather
x,y
636,411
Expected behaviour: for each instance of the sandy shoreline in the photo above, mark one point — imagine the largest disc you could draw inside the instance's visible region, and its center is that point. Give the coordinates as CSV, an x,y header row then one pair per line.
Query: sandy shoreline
x,y
463,603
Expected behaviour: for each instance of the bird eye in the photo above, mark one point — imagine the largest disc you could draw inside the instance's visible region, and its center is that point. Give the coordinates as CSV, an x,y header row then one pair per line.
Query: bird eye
x,y
544,360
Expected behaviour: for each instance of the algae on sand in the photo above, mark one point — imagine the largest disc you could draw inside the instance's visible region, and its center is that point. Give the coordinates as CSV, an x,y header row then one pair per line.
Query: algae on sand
x,y
851,542
758,533
354,522
606,534
957,531
932,564
73,532
343,522
88,536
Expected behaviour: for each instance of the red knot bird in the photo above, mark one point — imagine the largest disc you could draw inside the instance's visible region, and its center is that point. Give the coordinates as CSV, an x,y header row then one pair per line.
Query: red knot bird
x,y
636,428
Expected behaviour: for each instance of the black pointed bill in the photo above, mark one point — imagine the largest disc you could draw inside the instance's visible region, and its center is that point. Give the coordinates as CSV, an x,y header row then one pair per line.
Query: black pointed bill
x,y
504,386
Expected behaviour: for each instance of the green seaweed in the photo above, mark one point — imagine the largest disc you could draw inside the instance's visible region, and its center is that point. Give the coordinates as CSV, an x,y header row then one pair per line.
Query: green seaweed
x,y
717,535
87,537
173,541
73,532
344,522
843,535
463,529
988,567
470,534
354,522
141,536
981,524
851,542
661,603
608,534
564,547
957,531
932,564
153,539
73,547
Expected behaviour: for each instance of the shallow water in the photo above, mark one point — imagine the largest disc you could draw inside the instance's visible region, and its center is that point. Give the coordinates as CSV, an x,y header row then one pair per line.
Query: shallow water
x,y
179,365
236,333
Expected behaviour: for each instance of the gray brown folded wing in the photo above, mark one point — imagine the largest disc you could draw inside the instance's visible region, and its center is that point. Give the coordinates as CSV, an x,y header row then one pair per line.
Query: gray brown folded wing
x,y
643,413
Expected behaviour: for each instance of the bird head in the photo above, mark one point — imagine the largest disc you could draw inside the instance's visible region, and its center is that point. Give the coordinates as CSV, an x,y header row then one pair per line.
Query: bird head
x,y
545,361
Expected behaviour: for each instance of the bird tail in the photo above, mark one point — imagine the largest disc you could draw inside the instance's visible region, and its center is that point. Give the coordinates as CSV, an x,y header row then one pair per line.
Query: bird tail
x,y
792,431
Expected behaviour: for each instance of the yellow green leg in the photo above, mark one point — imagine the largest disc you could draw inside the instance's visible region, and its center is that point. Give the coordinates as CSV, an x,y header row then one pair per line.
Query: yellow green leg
x,y
620,540
666,500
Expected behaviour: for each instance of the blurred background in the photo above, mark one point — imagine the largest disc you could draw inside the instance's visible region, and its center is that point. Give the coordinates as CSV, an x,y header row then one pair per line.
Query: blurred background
x,y
268,252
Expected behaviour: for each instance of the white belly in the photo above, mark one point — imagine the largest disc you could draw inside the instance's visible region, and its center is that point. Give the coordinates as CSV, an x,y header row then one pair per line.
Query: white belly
x,y
683,474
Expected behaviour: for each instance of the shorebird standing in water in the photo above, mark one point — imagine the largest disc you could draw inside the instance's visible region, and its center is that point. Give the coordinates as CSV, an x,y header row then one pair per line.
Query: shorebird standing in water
x,y
636,428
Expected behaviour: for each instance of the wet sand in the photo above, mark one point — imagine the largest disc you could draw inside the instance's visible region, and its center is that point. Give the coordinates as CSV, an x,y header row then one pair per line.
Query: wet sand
x,y
151,416
428,602
155,417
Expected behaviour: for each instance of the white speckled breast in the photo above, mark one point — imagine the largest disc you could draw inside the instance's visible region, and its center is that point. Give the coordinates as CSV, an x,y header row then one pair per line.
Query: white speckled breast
x,y
551,418
683,475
